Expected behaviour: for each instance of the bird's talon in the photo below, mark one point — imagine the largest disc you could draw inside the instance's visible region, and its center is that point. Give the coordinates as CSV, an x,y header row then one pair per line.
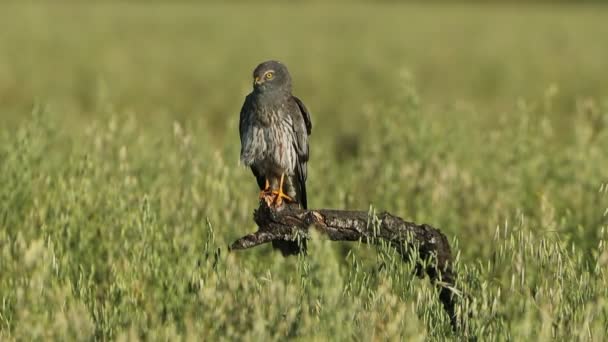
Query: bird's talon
x,y
269,200
264,194
279,196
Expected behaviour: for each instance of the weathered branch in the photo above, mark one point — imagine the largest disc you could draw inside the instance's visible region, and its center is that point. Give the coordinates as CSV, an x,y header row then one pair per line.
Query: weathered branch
x,y
432,247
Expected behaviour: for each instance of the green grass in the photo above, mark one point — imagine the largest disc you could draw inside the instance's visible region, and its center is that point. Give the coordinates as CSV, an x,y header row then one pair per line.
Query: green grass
x,y
120,187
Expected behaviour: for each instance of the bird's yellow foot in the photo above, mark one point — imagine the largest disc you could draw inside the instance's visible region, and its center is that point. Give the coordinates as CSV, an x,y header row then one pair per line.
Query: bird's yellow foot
x,y
280,195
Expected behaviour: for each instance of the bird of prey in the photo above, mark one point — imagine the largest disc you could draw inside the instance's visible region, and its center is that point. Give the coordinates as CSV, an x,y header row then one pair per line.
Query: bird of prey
x,y
274,127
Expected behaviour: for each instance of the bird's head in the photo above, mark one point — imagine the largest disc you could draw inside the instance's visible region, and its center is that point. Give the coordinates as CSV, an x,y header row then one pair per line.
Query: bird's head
x,y
271,76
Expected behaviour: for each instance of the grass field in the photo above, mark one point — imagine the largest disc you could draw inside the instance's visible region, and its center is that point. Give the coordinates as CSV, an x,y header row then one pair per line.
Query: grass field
x,y
120,187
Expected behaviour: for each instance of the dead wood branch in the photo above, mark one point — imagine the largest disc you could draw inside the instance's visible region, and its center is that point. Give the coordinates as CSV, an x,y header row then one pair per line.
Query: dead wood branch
x,y
431,246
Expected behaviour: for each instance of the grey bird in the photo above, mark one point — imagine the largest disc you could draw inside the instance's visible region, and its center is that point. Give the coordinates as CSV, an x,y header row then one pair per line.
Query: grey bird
x,y
274,127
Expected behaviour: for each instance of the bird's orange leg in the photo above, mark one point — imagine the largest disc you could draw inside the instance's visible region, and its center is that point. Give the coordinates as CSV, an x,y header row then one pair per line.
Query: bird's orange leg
x,y
278,201
267,194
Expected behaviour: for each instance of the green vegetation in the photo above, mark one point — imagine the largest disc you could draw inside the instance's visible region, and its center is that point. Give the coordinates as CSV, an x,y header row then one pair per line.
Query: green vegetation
x,y
120,186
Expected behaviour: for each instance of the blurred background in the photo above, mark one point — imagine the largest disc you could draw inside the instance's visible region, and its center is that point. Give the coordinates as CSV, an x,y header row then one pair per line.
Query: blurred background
x,y
119,162
390,86
487,96
194,60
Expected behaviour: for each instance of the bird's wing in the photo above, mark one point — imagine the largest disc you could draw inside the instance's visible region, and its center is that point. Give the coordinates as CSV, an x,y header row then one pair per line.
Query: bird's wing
x,y
245,120
302,126
245,124
305,114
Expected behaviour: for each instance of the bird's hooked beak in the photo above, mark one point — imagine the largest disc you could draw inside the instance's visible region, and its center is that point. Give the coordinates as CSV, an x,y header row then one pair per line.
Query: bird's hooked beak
x,y
258,80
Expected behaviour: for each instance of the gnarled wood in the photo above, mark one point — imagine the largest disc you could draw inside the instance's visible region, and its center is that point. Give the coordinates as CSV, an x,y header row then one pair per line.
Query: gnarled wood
x,y
290,223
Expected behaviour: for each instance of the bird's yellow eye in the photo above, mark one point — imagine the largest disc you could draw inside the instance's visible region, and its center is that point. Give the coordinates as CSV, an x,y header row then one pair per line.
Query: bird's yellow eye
x,y
269,75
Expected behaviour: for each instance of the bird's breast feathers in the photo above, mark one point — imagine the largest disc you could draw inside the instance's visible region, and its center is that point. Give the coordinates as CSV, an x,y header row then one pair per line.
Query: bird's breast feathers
x,y
270,145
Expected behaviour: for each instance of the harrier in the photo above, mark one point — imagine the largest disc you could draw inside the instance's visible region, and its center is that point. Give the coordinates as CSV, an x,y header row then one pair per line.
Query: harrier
x,y
274,128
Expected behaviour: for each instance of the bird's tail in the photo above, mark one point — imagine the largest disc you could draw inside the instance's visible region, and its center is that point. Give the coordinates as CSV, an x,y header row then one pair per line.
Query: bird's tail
x,y
288,248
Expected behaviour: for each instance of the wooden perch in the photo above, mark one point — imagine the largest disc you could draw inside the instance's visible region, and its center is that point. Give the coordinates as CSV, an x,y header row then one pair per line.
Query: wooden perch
x,y
290,222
